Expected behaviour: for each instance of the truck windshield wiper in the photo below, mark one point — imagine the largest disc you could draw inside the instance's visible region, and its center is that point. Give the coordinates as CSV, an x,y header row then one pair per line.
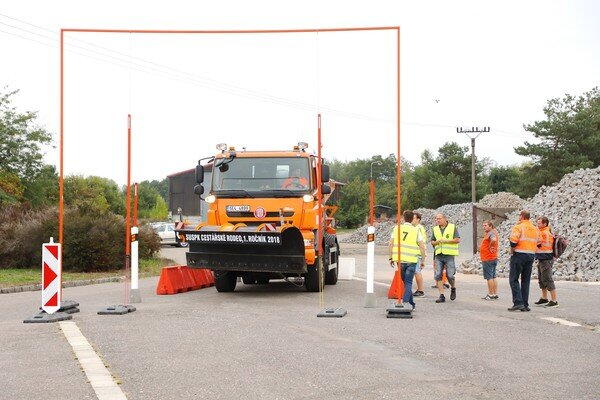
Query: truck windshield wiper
x,y
285,192
233,193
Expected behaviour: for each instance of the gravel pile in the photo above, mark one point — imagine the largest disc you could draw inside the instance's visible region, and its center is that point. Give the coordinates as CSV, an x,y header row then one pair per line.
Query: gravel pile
x,y
458,214
573,208
502,200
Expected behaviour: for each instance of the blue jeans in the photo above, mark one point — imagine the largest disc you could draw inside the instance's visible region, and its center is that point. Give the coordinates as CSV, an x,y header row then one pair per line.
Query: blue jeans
x,y
520,267
408,273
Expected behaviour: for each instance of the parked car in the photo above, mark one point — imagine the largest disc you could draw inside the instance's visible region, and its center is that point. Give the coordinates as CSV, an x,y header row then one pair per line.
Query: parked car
x,y
166,231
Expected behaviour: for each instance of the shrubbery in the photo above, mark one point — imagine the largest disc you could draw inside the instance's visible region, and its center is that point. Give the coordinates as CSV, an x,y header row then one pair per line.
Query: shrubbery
x,y
94,241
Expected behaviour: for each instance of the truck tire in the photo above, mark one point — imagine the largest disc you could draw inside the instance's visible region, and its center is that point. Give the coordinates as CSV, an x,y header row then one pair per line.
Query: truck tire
x,y
314,280
225,281
331,275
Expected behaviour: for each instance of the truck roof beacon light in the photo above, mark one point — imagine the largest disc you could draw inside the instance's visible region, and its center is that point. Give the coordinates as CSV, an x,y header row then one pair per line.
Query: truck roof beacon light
x,y
302,145
222,146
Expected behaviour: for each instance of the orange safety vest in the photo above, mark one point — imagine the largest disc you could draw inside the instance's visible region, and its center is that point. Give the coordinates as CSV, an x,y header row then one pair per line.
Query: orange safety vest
x,y
547,241
489,251
300,182
526,236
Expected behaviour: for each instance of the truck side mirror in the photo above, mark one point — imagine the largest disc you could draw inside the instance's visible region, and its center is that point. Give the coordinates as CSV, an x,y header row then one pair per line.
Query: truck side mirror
x,y
199,190
199,175
324,173
325,189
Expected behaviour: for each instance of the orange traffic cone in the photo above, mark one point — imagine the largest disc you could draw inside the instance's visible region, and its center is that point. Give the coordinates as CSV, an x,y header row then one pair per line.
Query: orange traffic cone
x,y
396,290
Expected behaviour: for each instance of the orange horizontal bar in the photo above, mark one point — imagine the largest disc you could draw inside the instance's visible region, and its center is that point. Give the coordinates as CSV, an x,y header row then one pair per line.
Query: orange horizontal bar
x,y
368,28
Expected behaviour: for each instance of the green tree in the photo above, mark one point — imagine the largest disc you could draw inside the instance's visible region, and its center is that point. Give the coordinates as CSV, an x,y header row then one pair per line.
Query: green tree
x,y
11,188
150,203
567,140
21,140
446,178
42,190
162,187
94,194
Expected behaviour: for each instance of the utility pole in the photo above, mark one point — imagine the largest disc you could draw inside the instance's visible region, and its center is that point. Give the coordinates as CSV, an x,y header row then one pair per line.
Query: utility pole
x,y
473,134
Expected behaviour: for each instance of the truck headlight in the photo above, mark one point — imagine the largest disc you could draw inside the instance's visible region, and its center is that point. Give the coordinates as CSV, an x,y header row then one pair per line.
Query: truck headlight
x,y
210,199
308,198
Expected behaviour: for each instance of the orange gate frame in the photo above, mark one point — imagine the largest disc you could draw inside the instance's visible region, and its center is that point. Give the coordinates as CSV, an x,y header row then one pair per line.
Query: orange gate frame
x,y
263,31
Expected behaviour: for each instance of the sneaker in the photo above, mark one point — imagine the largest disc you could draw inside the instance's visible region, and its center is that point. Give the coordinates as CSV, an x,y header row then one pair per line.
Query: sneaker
x,y
541,302
434,286
418,293
442,299
525,309
495,297
488,297
453,293
516,308
552,304
447,286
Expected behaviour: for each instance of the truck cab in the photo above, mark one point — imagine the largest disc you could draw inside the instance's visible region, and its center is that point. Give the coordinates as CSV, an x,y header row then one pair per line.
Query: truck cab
x,y
263,219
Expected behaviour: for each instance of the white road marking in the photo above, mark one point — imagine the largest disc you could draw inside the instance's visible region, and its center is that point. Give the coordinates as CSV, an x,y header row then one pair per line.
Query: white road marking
x,y
375,282
100,378
561,321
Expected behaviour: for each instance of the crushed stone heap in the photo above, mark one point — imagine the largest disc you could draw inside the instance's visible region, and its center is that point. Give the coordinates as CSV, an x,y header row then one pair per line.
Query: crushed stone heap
x,y
573,208
458,214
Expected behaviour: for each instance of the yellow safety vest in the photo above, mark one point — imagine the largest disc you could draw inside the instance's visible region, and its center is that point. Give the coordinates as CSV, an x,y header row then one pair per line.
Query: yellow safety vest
x,y
449,249
409,248
423,232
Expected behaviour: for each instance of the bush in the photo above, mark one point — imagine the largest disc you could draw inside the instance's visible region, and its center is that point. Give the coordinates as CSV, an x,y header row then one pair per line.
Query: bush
x,y
93,241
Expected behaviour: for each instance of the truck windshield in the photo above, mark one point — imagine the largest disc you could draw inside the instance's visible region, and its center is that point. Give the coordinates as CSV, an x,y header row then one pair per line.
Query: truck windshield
x,y
264,176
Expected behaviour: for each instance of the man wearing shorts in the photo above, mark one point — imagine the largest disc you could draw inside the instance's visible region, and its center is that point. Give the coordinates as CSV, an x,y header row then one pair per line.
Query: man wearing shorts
x,y
544,255
489,259
445,241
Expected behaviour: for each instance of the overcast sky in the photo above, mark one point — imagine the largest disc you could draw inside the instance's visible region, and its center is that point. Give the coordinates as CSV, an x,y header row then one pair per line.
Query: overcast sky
x,y
463,63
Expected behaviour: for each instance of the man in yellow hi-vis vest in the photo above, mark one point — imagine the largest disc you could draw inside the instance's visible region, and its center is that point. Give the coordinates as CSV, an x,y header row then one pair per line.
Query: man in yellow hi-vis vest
x,y
411,244
445,241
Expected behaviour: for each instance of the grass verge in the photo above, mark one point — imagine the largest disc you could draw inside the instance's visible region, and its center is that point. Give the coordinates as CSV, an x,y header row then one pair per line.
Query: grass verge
x,y
16,277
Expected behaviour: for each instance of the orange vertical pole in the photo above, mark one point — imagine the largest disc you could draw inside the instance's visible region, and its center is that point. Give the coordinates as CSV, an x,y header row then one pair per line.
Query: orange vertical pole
x,y
319,184
60,145
398,161
61,183
135,204
128,212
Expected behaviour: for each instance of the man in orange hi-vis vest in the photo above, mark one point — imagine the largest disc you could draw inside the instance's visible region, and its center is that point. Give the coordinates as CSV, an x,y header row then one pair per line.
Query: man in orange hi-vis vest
x,y
545,257
524,240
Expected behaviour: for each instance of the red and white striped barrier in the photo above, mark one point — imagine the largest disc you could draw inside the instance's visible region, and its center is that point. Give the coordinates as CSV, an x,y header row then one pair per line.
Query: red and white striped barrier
x,y
51,276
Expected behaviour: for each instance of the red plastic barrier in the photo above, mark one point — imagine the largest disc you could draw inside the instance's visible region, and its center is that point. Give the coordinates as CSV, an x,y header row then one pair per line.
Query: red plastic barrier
x,y
397,287
180,278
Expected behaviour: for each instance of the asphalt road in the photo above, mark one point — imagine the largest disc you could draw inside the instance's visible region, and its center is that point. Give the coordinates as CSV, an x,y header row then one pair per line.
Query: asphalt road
x,y
265,342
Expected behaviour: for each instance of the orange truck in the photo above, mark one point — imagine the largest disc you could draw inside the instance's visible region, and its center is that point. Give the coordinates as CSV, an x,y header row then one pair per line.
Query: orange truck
x,y
263,219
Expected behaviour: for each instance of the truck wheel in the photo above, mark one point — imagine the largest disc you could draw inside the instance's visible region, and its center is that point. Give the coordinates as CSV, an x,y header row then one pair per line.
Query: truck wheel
x,y
331,276
314,278
225,281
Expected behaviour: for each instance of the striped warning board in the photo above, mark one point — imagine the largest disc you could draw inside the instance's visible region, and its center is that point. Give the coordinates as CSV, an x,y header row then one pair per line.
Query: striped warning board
x,y
51,271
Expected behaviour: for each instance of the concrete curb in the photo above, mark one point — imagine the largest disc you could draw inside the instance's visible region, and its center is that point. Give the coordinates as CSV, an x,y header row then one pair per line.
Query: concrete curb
x,y
38,286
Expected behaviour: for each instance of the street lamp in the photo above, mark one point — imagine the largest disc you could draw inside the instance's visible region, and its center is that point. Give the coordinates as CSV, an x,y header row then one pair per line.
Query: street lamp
x,y
372,195
374,162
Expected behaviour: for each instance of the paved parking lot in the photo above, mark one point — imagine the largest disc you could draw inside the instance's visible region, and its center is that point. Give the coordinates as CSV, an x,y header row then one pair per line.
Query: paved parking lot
x,y
265,342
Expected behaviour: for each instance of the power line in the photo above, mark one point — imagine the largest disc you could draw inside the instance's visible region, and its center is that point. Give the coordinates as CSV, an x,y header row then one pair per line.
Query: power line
x,y
202,81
